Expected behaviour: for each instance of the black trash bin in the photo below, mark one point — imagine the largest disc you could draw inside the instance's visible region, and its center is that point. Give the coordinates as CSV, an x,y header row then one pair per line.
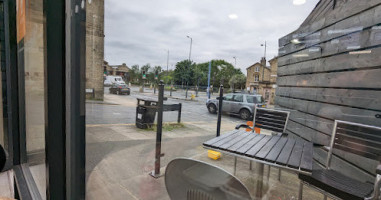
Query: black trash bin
x,y
145,116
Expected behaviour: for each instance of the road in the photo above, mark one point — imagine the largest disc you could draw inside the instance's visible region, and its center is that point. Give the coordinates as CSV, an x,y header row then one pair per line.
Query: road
x,y
121,109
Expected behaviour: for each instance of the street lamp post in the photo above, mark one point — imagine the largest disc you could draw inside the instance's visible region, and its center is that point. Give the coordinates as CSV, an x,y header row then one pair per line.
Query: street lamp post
x,y
167,60
235,62
263,67
265,45
190,52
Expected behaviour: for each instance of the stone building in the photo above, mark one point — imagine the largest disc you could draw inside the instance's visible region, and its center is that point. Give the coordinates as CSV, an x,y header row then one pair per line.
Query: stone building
x,y
94,48
116,70
261,79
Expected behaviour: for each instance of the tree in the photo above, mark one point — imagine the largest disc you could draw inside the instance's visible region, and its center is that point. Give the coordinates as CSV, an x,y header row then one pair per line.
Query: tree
x,y
134,73
167,76
237,81
221,71
184,72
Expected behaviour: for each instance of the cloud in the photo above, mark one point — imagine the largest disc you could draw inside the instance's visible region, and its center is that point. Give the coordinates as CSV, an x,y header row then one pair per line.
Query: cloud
x,y
141,31
233,16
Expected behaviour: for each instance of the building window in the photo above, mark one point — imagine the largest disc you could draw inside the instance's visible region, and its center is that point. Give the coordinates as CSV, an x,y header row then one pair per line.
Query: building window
x,y
257,69
256,78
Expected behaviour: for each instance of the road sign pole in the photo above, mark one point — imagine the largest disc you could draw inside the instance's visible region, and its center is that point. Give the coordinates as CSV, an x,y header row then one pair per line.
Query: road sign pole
x,y
158,155
210,68
220,109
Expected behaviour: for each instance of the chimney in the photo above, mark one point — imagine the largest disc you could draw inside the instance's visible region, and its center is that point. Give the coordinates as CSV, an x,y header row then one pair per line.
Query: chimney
x,y
263,63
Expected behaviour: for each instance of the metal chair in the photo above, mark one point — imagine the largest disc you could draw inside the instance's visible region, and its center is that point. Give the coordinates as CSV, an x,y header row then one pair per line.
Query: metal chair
x,y
354,138
187,179
268,119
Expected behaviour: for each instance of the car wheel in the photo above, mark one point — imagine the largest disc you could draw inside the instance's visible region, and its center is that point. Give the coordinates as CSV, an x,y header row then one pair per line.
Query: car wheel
x,y
244,114
212,108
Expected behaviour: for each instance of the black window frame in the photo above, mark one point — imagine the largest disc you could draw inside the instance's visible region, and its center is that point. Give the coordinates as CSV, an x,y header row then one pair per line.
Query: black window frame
x,y
64,58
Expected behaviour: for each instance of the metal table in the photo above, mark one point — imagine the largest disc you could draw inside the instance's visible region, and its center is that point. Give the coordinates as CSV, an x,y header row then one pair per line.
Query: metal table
x,y
286,153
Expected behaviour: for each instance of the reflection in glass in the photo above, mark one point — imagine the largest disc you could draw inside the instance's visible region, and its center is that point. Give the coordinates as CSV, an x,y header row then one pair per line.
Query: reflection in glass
x,y
34,90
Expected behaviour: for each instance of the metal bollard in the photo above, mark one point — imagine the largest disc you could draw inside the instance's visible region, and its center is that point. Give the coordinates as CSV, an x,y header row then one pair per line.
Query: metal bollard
x,y
186,92
158,155
220,110
179,114
170,92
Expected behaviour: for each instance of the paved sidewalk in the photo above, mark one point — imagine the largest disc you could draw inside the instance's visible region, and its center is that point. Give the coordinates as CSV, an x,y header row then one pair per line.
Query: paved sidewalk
x,y
119,158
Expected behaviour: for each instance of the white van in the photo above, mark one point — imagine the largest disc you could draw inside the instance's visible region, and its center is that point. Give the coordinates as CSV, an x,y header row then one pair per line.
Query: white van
x,y
110,80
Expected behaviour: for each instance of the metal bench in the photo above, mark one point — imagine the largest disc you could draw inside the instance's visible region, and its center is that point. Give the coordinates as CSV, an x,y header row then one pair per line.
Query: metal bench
x,y
268,119
354,138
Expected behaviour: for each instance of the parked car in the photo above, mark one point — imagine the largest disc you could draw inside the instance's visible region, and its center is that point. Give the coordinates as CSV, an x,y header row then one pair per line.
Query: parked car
x,y
237,104
119,89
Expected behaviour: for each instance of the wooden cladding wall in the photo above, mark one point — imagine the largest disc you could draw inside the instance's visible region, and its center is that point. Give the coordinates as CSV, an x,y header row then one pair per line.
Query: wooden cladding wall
x,y
333,73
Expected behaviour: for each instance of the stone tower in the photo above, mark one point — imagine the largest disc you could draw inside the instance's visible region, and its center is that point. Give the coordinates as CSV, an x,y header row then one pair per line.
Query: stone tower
x,y
94,48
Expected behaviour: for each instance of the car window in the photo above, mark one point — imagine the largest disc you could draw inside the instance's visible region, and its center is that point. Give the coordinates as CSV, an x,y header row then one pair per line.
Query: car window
x,y
238,98
254,99
228,97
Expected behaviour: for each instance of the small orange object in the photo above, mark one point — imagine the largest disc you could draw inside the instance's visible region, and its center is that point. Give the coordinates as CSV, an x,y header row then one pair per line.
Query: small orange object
x,y
249,123
214,155
257,130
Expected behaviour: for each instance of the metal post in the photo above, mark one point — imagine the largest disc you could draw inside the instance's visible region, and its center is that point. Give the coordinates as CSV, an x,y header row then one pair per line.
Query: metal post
x,y
197,89
156,172
220,110
210,67
170,91
179,115
301,191
186,92
167,61
259,180
235,164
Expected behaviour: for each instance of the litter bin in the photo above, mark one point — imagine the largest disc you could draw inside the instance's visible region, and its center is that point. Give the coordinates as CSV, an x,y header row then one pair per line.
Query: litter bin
x,y
145,115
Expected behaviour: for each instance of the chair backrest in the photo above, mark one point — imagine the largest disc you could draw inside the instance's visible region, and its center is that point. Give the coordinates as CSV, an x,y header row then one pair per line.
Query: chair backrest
x,y
355,138
271,119
196,180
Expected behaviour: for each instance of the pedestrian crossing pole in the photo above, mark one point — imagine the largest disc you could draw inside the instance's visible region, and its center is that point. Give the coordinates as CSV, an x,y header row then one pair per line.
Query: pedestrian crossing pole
x,y
210,69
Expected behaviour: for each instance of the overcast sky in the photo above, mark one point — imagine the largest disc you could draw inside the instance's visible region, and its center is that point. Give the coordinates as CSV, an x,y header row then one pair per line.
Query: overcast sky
x,y
141,31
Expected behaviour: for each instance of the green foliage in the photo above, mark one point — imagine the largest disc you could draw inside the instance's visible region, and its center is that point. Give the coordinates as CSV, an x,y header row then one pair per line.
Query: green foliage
x,y
237,81
134,73
221,71
167,77
184,72
194,74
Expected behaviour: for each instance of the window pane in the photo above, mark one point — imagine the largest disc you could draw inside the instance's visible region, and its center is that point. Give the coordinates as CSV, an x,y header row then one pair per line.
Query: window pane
x,y
318,60
238,98
31,49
